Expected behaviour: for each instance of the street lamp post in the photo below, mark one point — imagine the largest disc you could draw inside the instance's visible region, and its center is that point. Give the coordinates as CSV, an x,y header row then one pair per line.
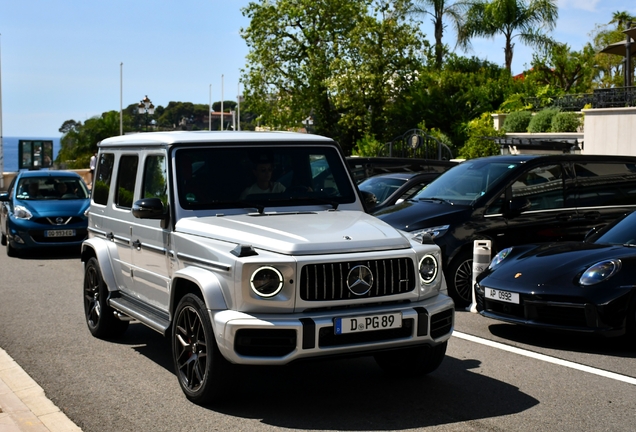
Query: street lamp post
x,y
146,107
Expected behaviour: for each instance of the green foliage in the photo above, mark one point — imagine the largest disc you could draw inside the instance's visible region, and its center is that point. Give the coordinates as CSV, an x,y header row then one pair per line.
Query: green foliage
x,y
542,121
100,191
367,146
478,144
565,122
517,121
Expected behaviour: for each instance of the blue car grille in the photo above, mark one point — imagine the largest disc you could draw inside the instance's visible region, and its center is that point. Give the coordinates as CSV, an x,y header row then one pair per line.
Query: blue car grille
x,y
52,220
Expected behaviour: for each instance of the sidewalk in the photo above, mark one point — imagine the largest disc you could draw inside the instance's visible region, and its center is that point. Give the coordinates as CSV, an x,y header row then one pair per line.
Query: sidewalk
x,y
23,404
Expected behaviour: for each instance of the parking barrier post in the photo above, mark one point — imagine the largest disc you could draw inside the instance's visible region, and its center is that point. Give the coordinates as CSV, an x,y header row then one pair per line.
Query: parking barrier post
x,y
481,260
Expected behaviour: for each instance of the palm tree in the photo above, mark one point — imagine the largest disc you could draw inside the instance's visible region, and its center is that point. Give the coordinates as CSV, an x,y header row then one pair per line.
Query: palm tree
x,y
437,9
621,18
513,18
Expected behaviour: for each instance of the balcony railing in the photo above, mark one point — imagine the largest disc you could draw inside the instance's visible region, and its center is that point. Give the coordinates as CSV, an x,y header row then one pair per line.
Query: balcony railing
x,y
618,97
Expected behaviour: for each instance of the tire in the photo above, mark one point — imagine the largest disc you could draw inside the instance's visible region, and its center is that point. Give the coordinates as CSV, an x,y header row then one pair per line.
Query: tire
x,y
11,251
420,360
630,322
200,367
3,239
100,317
459,278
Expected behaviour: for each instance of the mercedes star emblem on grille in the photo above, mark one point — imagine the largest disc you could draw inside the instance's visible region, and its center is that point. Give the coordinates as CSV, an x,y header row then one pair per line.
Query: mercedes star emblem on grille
x,y
360,280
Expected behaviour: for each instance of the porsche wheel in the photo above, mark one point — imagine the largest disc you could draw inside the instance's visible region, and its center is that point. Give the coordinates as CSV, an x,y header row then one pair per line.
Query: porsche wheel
x,y
459,277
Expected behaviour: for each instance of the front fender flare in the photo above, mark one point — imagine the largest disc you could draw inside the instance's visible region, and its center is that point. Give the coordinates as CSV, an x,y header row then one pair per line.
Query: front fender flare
x,y
100,249
207,281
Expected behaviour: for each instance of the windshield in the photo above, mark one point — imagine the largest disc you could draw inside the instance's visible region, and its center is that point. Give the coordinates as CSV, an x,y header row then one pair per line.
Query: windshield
x,y
381,187
51,188
466,182
623,232
257,177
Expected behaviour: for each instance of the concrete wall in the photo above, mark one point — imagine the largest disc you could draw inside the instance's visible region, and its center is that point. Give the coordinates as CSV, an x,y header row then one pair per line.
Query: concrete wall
x,y
610,131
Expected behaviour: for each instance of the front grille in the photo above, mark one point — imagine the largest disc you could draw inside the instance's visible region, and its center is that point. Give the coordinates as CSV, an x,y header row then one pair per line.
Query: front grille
x,y
328,338
52,220
565,314
319,282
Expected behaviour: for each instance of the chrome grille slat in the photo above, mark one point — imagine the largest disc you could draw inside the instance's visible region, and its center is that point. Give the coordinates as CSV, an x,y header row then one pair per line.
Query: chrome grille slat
x,y
391,276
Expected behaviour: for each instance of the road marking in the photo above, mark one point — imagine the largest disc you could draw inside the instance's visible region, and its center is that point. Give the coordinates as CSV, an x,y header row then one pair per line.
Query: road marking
x,y
545,358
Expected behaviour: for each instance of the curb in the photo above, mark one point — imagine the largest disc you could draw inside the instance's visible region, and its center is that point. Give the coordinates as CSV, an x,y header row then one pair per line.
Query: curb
x,y
23,404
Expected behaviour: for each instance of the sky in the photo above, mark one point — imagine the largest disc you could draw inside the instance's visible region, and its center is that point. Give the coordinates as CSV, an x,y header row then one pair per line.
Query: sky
x,y
75,59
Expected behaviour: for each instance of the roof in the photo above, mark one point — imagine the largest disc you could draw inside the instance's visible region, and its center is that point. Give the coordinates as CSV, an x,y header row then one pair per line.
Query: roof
x,y
195,137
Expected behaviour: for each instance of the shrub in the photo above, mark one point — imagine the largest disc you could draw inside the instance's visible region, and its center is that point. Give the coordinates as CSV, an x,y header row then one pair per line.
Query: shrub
x,y
566,122
367,146
542,121
478,144
517,121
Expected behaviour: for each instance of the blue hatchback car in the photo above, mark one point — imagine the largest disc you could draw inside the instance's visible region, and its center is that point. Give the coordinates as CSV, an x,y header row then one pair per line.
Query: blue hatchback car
x,y
44,209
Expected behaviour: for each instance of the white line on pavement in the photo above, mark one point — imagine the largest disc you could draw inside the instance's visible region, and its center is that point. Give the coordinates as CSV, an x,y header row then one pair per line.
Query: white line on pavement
x,y
546,358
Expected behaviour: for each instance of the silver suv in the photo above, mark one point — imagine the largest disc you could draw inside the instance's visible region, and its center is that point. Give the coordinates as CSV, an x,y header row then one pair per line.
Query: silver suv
x,y
253,248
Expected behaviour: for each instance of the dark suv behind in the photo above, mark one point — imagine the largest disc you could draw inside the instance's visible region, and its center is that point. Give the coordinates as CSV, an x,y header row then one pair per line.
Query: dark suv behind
x,y
513,200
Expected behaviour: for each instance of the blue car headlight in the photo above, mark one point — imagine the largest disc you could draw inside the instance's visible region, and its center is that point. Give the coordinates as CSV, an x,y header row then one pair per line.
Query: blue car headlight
x,y
21,212
499,258
434,232
600,272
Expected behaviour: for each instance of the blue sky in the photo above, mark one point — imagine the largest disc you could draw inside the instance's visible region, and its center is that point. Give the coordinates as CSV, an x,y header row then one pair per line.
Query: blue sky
x,y
60,60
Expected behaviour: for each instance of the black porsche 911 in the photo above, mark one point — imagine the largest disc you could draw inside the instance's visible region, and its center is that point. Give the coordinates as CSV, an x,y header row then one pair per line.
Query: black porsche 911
x,y
587,286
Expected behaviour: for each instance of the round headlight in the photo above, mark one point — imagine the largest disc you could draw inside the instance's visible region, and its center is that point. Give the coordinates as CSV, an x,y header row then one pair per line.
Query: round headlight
x,y
428,269
600,272
266,281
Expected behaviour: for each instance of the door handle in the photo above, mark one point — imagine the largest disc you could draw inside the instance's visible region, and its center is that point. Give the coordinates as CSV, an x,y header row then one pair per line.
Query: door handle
x,y
110,236
594,215
564,217
137,244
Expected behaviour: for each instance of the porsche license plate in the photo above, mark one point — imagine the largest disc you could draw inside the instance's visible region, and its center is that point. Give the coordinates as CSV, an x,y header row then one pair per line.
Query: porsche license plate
x,y
504,296
59,233
366,323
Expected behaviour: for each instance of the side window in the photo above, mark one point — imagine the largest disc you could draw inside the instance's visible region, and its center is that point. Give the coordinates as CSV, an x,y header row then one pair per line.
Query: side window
x,y
155,184
543,186
605,184
103,176
126,176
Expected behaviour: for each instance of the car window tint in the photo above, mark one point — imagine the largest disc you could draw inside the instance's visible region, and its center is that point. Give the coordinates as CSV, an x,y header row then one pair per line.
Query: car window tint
x,y
126,176
543,186
605,184
101,184
155,183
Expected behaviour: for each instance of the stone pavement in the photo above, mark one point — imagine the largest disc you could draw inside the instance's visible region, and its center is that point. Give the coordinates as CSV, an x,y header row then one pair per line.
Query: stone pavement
x,y
23,404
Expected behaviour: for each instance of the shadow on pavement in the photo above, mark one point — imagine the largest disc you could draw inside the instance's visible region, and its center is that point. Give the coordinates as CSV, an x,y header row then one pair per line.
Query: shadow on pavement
x,y
351,394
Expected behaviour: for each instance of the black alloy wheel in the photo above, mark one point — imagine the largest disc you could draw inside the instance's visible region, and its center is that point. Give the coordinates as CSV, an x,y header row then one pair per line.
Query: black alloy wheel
x,y
100,317
199,365
459,278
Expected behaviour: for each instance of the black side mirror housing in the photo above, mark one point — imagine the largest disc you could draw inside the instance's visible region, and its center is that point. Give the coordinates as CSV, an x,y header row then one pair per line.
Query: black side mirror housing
x,y
369,200
149,208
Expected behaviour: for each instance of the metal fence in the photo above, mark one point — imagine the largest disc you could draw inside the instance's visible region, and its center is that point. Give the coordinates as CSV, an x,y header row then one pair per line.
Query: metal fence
x,y
601,98
415,143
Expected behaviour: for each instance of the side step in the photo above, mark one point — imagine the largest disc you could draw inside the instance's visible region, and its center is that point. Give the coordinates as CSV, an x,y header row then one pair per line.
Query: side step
x,y
151,317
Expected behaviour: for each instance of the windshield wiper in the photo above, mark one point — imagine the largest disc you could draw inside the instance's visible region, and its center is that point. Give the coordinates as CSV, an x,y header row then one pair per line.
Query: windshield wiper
x,y
435,199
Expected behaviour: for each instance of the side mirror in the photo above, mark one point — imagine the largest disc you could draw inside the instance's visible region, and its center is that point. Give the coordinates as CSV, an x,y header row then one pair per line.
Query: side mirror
x,y
517,205
4,197
369,200
149,208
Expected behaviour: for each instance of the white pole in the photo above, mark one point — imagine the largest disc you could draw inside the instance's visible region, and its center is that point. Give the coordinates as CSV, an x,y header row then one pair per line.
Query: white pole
x,y
238,106
221,102
210,111
121,97
1,146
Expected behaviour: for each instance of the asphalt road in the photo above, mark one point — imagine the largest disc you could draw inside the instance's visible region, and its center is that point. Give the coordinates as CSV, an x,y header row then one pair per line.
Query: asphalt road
x,y
552,382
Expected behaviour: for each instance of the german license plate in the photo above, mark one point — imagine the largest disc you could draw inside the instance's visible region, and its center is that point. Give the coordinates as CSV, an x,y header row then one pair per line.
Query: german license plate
x,y
59,233
503,296
366,323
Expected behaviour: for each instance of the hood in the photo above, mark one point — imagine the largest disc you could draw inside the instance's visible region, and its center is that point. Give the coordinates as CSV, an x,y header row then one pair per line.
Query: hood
x,y
556,263
50,208
299,233
414,215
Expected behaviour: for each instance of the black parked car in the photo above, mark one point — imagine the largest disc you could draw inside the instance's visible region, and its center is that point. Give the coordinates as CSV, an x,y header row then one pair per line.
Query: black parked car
x,y
582,286
512,200
391,188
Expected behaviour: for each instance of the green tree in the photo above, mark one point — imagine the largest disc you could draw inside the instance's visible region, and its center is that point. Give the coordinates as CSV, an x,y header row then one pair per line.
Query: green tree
x,y
566,70
438,9
609,67
523,19
481,134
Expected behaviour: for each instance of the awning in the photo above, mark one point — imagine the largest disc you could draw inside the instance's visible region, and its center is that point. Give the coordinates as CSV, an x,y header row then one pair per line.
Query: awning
x,y
618,48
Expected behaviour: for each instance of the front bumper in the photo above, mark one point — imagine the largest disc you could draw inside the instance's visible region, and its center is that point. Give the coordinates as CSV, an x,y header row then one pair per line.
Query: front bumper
x,y
281,339
28,234
605,316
